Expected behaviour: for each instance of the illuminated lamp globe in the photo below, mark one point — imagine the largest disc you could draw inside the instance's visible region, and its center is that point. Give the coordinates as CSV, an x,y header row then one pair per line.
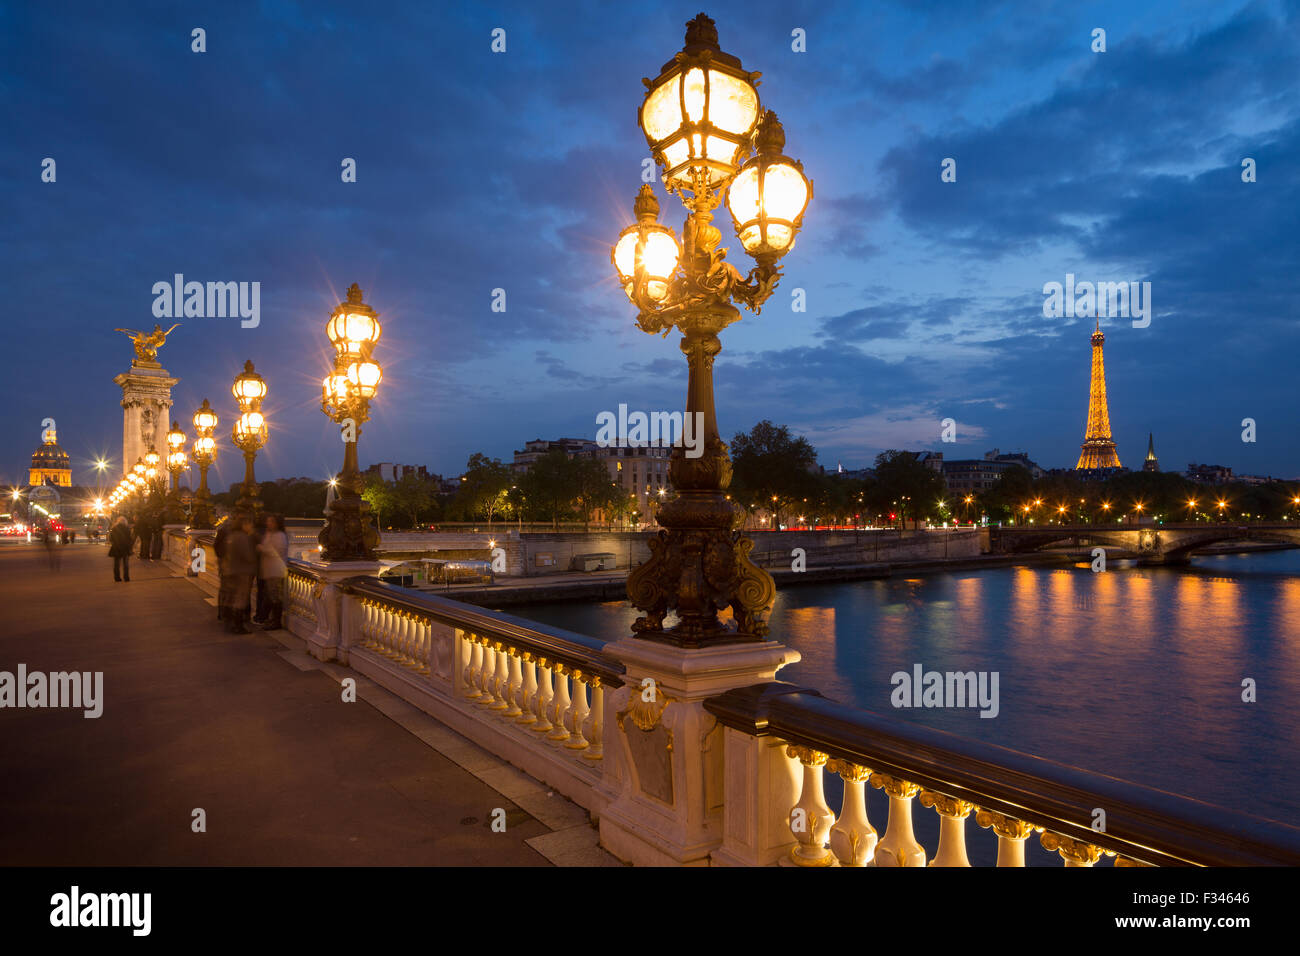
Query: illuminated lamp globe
x,y
699,113
205,419
645,256
249,387
768,197
353,328
364,378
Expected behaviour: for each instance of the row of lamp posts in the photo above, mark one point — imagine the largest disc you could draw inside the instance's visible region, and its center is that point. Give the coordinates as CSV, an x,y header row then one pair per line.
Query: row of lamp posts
x,y
353,330
713,142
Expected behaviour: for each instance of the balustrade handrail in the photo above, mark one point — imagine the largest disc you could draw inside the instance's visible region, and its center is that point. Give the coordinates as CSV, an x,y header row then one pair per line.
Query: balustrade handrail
x,y
577,651
1142,823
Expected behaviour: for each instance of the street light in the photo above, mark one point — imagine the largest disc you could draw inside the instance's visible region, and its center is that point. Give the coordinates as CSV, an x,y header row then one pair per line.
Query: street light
x,y
702,119
249,433
177,461
353,329
205,450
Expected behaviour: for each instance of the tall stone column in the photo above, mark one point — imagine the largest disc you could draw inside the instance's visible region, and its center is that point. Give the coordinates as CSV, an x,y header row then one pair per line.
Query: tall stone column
x,y
146,411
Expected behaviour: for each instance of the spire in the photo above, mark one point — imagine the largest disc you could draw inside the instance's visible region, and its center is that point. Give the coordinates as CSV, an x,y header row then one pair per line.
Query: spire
x,y
1151,447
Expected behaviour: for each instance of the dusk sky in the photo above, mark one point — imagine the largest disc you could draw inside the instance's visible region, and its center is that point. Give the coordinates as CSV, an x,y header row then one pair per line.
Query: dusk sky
x,y
479,170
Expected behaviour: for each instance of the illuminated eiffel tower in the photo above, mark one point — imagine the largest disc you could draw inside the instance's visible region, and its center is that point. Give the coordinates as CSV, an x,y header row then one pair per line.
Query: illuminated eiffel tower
x,y
1098,450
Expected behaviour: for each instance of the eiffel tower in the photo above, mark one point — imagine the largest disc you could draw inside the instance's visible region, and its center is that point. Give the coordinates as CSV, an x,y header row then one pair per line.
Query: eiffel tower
x,y
1098,450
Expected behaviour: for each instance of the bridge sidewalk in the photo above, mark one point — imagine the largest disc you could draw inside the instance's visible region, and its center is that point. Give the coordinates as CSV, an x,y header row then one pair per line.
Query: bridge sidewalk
x,y
253,732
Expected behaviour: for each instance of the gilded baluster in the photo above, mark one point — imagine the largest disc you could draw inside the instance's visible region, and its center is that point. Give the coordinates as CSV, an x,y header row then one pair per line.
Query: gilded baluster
x,y
401,635
1012,834
474,666
899,846
1073,852
952,827
501,678
528,691
490,664
578,712
853,838
486,677
811,816
597,749
545,694
513,685
561,715
424,646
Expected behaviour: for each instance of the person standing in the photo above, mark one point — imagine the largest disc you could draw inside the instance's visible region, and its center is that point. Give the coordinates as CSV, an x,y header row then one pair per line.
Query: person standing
x,y
259,606
241,559
119,549
223,575
272,565
144,534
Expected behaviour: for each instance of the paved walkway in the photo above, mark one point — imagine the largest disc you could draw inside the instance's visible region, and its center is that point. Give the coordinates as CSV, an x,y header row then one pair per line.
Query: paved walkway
x,y
251,731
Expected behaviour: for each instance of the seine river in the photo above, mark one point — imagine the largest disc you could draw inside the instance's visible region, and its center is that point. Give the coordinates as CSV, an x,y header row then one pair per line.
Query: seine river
x,y
1133,672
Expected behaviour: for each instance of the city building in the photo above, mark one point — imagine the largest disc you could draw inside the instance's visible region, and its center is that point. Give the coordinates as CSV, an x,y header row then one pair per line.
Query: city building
x,y
1209,474
50,463
388,471
1151,463
981,474
538,448
639,472
1098,449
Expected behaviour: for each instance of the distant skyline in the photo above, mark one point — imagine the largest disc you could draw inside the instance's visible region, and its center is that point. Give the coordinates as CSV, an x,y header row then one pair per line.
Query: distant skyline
x,y
479,171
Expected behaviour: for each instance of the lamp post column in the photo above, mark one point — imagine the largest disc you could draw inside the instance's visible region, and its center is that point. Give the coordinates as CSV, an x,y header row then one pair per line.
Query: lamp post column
x,y
701,118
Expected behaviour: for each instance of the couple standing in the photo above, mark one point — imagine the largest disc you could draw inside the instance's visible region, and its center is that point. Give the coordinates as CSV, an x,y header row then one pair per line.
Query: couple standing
x,y
243,556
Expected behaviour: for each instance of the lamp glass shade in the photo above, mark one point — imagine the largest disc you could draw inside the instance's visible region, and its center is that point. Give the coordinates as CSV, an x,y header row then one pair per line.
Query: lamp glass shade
x,y
364,378
625,254
205,420
249,387
351,331
659,255
699,119
767,200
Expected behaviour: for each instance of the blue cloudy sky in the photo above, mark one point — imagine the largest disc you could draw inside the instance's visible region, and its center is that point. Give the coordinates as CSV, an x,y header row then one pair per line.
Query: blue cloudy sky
x,y
479,170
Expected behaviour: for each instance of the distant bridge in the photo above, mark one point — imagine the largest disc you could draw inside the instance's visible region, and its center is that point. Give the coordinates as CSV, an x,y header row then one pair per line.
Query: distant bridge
x,y
1150,544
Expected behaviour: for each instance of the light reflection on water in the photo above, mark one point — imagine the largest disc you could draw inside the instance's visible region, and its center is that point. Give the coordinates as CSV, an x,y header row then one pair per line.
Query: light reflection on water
x,y
1133,672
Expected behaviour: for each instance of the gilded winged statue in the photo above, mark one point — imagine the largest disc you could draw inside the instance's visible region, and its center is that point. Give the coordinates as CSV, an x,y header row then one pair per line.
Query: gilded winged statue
x,y
147,344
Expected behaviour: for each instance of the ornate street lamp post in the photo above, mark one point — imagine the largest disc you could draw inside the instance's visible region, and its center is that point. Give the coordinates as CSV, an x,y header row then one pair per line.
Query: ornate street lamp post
x,y
353,329
177,461
702,119
249,433
205,447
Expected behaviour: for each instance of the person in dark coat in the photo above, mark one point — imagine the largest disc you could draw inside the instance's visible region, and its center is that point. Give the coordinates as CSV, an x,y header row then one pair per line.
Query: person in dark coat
x,y
241,562
119,549
223,575
145,535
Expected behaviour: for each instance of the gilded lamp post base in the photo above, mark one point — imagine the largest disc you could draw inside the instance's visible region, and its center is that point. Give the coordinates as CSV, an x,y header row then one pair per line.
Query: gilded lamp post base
x,y
349,534
201,515
699,566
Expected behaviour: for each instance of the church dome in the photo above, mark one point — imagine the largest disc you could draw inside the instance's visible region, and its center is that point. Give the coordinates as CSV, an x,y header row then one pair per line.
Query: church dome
x,y
50,455
50,462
